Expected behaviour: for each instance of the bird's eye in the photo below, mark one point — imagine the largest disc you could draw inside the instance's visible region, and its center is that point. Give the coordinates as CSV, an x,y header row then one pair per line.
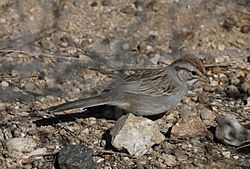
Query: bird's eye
x,y
194,73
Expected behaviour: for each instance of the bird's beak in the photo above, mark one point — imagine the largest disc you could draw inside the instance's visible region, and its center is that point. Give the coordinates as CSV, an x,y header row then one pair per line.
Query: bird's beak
x,y
205,79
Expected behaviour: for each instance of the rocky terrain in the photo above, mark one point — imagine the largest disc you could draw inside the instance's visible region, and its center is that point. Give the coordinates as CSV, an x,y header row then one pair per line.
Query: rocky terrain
x,y
56,51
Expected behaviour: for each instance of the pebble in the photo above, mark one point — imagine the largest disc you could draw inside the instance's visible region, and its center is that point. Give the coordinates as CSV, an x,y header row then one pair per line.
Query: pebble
x,y
106,2
203,98
245,29
2,106
223,78
2,20
221,47
226,154
129,9
170,160
149,48
4,84
233,91
213,83
136,134
248,102
191,127
246,85
236,157
233,79
207,116
125,46
38,152
216,70
29,86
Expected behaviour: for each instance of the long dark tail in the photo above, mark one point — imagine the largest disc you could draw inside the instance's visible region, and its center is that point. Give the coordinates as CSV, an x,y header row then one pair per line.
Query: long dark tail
x,y
82,103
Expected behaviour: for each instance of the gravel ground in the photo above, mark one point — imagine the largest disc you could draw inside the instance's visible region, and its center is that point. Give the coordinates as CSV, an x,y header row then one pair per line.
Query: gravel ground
x,y
56,51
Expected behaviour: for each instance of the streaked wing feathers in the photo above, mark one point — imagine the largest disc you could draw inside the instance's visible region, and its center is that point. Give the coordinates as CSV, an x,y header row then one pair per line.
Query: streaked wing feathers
x,y
152,82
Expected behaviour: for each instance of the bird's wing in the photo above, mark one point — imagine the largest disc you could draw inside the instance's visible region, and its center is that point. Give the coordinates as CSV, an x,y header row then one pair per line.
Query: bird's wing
x,y
154,82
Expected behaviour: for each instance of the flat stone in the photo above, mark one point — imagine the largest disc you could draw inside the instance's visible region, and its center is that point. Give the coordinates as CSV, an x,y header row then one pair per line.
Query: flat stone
x,y
191,127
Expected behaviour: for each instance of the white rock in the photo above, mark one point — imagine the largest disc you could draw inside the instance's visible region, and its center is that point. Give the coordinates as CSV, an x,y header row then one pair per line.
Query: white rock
x,y
5,84
2,20
213,83
20,144
221,47
38,152
248,102
226,154
135,134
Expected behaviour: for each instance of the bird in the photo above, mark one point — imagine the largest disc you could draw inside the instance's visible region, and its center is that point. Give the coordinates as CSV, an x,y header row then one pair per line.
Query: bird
x,y
146,92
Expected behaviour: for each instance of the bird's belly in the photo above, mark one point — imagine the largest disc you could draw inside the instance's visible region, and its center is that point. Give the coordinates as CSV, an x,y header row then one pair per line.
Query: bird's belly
x,y
148,105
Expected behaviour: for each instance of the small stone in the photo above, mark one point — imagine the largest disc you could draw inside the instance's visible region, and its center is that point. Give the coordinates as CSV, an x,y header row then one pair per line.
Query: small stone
x,y
246,85
27,166
38,152
141,161
170,160
20,144
207,116
125,46
106,2
245,29
223,78
233,79
216,70
2,106
4,84
76,157
14,72
2,20
221,47
29,86
149,48
233,91
248,102
129,9
226,154
192,127
203,98
213,83
136,134
236,157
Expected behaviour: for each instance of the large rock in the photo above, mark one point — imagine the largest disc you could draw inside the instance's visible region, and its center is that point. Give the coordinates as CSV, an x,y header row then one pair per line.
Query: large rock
x,y
135,134
229,131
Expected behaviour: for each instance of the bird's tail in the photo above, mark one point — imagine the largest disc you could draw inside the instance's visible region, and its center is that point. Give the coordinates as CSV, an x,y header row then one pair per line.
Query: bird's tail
x,y
82,103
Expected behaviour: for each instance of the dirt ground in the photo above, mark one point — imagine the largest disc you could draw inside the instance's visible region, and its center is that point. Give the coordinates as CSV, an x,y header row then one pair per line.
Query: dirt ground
x,y
56,51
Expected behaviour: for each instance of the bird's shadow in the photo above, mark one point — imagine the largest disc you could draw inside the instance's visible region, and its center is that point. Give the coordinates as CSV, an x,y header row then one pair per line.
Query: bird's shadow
x,y
98,112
